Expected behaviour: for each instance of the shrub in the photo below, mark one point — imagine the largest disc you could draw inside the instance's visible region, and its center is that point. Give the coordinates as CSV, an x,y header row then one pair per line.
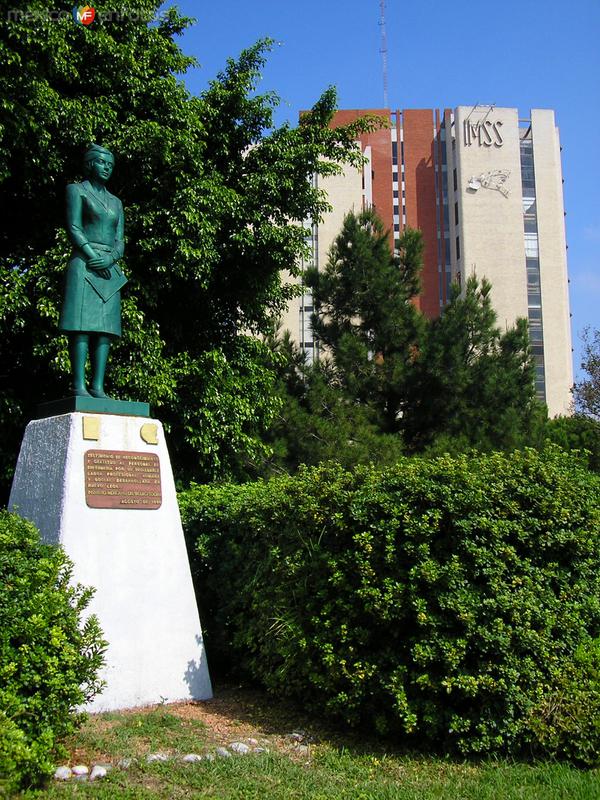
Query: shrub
x,y
577,433
566,721
435,601
49,656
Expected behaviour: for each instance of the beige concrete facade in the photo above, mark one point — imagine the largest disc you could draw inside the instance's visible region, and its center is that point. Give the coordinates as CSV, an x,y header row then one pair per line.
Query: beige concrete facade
x,y
490,240
553,262
345,194
485,149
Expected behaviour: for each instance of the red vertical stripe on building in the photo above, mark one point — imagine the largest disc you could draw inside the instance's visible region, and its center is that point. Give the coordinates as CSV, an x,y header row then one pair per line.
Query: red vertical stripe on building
x,y
420,202
420,186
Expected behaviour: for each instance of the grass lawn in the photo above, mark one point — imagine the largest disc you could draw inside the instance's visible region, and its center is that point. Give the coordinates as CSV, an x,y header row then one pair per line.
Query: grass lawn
x,y
315,762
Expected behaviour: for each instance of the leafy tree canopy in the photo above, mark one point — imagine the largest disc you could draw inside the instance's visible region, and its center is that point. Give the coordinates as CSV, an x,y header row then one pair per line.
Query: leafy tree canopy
x,y
214,200
587,392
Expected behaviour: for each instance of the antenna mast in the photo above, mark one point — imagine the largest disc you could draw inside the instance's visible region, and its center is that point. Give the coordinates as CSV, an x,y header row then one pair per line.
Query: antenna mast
x,y
384,51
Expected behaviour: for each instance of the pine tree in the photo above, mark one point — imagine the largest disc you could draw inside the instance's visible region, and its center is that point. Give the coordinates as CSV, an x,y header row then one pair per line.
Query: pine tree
x,y
473,386
365,314
317,421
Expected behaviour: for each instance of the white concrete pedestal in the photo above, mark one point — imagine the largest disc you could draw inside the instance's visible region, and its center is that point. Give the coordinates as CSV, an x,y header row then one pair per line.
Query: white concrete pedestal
x,y
136,559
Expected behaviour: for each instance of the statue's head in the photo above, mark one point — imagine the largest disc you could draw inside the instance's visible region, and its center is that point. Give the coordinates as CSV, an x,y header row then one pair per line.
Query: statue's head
x,y
98,163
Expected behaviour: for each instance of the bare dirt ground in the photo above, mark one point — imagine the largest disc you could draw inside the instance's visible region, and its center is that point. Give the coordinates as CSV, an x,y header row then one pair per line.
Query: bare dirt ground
x,y
241,714
234,715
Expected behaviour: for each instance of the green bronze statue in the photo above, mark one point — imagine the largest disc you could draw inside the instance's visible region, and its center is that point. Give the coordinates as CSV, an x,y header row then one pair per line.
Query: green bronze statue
x,y
91,310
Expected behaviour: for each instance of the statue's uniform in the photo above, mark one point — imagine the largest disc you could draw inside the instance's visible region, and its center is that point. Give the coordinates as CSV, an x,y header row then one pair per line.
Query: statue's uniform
x,y
91,303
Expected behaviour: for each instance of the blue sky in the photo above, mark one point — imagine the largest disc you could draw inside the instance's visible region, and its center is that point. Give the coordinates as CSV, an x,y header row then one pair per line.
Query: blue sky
x,y
527,54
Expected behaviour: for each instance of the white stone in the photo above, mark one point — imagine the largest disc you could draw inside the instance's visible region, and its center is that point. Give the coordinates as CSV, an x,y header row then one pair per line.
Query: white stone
x,y
125,763
223,753
136,560
191,758
240,748
253,742
99,771
79,770
152,757
62,773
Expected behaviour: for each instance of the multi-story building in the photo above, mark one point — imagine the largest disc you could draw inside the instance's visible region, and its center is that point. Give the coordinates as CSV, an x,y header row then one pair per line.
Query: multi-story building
x,y
485,189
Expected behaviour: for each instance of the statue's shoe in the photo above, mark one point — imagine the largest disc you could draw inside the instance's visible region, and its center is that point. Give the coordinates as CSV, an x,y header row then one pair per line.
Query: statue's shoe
x,y
80,391
99,393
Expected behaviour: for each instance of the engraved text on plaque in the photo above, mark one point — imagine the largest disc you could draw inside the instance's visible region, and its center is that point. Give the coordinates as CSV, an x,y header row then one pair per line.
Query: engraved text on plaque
x,y
122,479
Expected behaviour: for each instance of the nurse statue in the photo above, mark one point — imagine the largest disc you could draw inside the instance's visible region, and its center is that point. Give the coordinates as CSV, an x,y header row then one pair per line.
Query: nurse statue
x,y
91,310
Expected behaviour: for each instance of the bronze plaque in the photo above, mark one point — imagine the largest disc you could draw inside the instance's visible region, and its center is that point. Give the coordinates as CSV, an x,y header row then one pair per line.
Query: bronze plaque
x,y
122,479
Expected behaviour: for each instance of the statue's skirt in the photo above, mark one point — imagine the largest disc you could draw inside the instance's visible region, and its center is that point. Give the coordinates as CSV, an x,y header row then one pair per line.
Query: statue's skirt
x,y
83,308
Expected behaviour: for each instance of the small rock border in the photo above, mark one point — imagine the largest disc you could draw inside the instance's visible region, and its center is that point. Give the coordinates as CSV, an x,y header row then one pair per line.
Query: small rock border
x,y
81,772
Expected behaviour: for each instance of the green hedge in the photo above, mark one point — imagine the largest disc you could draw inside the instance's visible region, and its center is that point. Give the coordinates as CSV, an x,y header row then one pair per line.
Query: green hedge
x,y
49,656
439,601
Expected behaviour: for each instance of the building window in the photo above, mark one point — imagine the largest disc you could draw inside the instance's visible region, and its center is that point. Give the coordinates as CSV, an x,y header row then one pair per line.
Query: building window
x,y
458,248
455,178
448,284
456,213
529,206
530,223
531,245
532,264
535,334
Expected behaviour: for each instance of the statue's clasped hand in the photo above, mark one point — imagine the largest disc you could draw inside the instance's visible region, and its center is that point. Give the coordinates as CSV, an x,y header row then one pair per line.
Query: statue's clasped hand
x,y
100,264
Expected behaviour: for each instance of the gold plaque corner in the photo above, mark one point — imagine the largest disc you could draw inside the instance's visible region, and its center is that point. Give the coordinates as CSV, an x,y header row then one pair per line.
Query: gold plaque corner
x,y
91,428
149,433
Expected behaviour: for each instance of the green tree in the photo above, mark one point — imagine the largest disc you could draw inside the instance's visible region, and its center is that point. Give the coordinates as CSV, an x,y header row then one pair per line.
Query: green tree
x,y
578,432
587,392
214,200
317,422
365,314
472,385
